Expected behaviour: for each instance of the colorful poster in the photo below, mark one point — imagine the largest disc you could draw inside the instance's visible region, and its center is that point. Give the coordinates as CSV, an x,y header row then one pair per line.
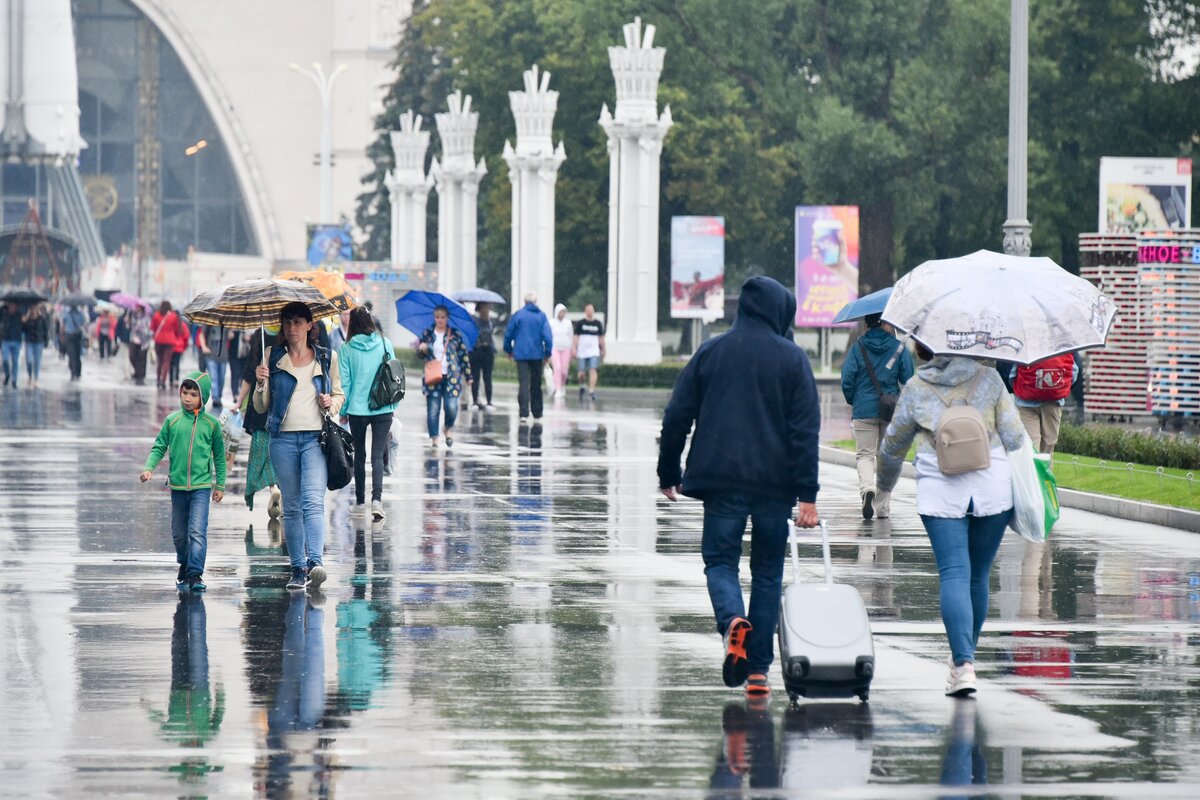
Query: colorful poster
x,y
698,268
826,263
1139,194
329,244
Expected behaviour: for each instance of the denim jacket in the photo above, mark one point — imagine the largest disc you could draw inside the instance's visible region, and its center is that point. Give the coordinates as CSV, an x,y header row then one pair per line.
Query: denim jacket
x,y
282,383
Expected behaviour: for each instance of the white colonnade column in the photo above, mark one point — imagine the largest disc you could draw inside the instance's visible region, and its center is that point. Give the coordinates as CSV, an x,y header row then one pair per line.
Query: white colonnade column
x,y
457,177
408,187
635,137
533,170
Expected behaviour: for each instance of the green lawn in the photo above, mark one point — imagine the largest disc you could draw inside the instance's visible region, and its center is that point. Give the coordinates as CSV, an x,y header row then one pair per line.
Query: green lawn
x,y
1087,475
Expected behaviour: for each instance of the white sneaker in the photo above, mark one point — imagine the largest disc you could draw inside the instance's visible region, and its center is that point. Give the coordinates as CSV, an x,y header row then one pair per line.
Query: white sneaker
x,y
377,510
961,681
316,577
275,506
359,510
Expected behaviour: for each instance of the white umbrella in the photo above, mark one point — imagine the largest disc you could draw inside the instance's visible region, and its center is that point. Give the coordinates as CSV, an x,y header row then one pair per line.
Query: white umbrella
x,y
991,305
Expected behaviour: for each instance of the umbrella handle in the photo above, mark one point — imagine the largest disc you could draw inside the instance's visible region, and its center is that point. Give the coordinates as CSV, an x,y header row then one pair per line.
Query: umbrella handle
x,y
262,331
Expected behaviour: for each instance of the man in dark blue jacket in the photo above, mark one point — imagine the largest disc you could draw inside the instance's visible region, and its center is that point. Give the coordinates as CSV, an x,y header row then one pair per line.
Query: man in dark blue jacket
x,y
751,396
528,341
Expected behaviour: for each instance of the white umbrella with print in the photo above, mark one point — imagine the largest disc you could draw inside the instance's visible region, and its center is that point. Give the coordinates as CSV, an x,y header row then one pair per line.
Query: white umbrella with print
x,y
991,305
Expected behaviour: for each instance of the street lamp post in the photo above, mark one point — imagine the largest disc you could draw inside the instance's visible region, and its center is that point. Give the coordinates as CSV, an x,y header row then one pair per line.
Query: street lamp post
x,y
325,87
1017,229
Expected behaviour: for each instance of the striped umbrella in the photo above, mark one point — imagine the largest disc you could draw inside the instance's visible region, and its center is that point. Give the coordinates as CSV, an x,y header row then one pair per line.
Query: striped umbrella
x,y
255,304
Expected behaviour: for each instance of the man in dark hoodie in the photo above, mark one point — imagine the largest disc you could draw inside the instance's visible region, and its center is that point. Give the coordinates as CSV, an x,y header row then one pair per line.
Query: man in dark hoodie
x,y
751,395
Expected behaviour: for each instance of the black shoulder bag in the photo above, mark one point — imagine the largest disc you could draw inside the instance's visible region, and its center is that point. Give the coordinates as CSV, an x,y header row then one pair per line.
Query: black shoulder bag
x,y
388,386
887,401
336,442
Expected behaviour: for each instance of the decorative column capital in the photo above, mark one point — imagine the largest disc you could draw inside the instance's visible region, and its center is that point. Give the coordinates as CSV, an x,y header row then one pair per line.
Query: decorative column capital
x,y
533,110
1018,239
636,68
457,128
409,145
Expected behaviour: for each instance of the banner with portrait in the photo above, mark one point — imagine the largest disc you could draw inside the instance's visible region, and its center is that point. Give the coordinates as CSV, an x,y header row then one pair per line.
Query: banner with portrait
x,y
826,263
329,244
698,268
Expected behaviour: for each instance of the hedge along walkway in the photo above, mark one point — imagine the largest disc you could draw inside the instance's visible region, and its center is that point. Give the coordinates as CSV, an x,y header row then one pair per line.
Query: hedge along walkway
x,y
1130,481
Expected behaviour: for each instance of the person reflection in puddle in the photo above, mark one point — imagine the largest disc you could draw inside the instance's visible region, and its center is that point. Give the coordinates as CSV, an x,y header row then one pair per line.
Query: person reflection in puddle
x,y
747,751
194,712
964,764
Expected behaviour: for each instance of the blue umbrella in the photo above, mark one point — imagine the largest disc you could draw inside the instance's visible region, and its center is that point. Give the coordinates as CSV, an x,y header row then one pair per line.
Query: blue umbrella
x,y
477,295
864,306
415,312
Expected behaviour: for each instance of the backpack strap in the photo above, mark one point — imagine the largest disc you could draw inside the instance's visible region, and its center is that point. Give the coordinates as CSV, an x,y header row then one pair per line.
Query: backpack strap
x,y
870,369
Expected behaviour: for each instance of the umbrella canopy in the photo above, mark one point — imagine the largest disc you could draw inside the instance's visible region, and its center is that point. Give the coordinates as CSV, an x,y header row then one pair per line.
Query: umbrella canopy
x,y
872,303
991,305
111,308
333,285
77,299
477,295
255,303
130,302
415,312
23,296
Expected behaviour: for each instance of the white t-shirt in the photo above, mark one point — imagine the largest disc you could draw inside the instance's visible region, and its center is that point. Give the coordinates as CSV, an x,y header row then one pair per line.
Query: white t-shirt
x,y
589,332
439,347
303,413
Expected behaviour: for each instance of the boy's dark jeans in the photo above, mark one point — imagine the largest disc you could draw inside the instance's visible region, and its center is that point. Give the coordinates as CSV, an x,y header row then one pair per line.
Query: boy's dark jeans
x,y
189,528
725,516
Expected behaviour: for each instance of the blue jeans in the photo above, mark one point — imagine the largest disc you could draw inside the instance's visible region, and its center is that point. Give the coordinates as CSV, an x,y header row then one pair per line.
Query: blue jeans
x,y
33,359
216,371
11,353
964,548
189,528
434,402
725,516
301,472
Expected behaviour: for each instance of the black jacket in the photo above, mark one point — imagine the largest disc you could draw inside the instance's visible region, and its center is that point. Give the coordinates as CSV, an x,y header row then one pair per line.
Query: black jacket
x,y
752,397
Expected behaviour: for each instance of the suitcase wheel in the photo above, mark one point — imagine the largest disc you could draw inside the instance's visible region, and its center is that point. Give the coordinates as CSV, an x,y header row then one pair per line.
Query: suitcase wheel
x,y
863,694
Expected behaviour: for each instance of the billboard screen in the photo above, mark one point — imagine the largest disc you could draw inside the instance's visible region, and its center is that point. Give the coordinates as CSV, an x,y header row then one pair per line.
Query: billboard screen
x,y
698,267
826,263
329,244
1138,194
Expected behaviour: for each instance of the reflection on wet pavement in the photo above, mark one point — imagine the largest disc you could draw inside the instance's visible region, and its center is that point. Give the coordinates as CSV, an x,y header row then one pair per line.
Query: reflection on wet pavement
x,y
531,620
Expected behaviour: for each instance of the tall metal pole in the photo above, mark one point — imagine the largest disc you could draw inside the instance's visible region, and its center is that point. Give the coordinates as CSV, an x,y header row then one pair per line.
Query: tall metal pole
x,y
1017,230
325,87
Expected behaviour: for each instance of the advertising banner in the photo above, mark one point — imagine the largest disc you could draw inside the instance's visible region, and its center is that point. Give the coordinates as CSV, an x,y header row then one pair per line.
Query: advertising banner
x,y
826,263
698,268
329,244
1138,194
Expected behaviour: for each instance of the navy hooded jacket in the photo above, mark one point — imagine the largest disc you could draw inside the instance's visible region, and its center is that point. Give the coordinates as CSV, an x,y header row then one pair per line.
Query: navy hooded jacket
x,y
751,395
857,387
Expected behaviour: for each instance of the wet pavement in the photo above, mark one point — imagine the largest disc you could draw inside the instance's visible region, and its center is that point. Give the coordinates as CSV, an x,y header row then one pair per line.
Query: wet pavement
x,y
531,620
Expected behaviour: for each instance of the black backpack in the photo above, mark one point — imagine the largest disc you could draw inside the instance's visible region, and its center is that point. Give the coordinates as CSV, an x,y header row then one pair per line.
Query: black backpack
x,y
388,386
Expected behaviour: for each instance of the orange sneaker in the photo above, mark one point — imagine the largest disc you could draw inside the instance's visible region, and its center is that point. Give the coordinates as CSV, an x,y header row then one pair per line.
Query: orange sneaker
x,y
757,687
734,669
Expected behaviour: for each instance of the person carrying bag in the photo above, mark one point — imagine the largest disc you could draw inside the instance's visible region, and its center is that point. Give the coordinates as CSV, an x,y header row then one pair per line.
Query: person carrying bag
x,y
872,388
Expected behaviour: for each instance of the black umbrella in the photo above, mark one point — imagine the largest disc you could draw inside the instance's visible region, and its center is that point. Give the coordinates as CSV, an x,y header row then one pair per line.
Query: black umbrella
x,y
77,300
26,296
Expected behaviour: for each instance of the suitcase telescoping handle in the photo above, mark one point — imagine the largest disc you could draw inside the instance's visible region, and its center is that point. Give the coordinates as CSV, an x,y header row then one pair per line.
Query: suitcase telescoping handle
x,y
796,552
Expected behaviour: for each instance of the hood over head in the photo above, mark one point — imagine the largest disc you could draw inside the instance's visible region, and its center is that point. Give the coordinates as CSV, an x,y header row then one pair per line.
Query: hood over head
x,y
950,370
202,380
365,341
557,308
767,301
879,341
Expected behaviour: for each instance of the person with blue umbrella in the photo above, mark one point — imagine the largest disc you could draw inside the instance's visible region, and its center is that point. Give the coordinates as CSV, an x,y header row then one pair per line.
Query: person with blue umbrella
x,y
447,365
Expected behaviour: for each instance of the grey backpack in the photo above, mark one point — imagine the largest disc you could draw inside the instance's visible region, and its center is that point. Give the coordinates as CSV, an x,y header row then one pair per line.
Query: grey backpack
x,y
961,439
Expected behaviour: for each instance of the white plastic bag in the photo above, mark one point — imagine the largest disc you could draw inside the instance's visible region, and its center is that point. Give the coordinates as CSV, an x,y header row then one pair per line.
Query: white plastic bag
x,y
1029,505
232,423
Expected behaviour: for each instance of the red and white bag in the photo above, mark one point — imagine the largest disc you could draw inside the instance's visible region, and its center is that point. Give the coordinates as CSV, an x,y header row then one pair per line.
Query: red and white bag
x,y
1046,380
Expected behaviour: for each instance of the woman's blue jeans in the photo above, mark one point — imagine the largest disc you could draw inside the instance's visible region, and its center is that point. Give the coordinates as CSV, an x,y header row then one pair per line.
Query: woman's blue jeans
x,y
964,548
725,516
302,473
33,359
189,528
11,352
434,402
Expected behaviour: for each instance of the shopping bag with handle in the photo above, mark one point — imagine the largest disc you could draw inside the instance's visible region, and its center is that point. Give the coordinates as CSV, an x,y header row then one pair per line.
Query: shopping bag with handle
x,y
1035,493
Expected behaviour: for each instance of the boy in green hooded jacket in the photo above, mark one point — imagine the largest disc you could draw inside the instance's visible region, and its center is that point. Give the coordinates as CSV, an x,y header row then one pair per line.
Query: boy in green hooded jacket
x,y
193,438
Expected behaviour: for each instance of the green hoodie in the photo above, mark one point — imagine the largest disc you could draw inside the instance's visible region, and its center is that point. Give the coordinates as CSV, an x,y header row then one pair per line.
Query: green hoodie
x,y
195,442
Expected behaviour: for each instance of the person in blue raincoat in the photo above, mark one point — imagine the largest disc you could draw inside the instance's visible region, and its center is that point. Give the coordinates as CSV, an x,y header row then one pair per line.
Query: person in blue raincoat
x,y
872,351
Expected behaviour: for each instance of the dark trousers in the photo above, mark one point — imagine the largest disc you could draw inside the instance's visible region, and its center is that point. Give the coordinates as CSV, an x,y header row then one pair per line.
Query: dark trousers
x,y
176,361
529,388
380,425
137,360
164,353
75,353
725,516
108,347
482,362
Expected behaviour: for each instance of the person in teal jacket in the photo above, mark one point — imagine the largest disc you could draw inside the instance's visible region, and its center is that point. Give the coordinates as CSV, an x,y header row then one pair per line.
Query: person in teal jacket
x,y
359,360
875,349
196,448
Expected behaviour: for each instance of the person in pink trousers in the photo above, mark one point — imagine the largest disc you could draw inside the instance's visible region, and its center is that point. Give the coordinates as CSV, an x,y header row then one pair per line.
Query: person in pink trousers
x,y
560,356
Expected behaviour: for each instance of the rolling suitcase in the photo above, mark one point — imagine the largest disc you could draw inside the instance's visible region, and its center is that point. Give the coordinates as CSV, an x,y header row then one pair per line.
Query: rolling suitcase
x,y
825,645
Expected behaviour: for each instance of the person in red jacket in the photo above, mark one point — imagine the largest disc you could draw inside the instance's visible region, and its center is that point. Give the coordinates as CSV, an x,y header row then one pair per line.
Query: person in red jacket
x,y
1040,390
106,334
167,329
